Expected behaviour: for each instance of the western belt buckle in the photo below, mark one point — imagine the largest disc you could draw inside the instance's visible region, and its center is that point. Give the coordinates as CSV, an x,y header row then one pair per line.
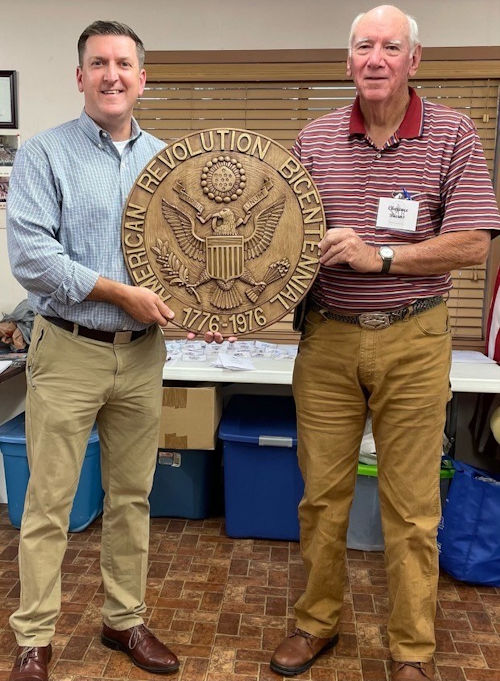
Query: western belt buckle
x,y
122,337
374,320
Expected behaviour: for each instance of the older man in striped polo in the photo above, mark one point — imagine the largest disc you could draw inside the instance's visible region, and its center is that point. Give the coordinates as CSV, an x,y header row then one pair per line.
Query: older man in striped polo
x,y
408,198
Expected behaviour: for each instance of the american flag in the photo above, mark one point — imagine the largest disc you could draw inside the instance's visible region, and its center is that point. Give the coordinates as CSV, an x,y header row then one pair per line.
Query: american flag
x,y
493,327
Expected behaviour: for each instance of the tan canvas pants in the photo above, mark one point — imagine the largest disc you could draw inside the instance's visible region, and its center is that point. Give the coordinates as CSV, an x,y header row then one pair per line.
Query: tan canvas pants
x,y
402,374
72,382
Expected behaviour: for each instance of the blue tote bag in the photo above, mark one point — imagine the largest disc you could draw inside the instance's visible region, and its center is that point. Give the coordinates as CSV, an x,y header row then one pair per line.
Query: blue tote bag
x,y
469,531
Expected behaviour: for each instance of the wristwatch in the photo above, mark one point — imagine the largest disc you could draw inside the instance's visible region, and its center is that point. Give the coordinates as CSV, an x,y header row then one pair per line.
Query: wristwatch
x,y
387,254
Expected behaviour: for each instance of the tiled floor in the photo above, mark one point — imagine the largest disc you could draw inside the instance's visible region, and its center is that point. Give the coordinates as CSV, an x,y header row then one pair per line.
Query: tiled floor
x,y
224,604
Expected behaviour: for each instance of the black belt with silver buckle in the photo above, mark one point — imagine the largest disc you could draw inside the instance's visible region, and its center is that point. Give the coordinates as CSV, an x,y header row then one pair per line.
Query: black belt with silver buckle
x,y
379,320
118,337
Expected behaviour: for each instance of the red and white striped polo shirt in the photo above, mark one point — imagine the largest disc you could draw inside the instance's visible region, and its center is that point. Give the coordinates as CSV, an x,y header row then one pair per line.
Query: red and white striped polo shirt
x,y
435,157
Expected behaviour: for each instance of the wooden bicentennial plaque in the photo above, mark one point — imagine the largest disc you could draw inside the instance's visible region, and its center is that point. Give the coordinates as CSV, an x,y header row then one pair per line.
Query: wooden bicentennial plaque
x,y
224,226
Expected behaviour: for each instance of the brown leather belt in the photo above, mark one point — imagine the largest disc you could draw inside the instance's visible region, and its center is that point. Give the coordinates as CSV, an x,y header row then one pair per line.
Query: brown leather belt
x,y
379,320
117,337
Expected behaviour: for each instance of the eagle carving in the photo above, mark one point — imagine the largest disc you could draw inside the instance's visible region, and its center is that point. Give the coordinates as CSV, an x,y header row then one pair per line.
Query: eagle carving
x,y
224,252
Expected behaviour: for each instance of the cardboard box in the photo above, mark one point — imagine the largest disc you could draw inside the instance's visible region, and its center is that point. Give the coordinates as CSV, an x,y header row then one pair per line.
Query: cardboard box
x,y
190,416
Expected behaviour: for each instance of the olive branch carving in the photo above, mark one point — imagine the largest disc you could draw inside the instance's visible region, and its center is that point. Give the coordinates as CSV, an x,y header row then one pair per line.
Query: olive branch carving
x,y
173,270
274,272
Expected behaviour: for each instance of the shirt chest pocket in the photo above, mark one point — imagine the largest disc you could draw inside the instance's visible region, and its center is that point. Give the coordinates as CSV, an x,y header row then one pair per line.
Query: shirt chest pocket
x,y
429,209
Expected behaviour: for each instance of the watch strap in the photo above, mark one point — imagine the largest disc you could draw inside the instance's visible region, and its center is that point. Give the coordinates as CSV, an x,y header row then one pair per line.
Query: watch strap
x,y
386,261
386,265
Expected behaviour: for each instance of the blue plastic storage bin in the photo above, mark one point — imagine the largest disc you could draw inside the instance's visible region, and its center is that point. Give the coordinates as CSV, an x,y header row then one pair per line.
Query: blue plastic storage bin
x,y
88,500
186,483
262,481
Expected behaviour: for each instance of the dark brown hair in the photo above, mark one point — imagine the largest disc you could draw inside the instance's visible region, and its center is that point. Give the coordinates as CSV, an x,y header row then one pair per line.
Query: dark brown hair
x,y
110,28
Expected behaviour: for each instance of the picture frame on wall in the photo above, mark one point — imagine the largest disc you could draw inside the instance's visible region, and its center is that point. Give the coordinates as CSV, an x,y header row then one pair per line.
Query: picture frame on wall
x,y
8,99
9,144
4,190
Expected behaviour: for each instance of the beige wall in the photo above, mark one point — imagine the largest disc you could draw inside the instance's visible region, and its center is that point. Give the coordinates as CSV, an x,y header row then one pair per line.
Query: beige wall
x,y
39,36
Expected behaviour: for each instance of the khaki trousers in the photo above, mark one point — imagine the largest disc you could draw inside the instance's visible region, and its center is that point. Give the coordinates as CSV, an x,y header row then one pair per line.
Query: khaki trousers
x,y
72,382
402,374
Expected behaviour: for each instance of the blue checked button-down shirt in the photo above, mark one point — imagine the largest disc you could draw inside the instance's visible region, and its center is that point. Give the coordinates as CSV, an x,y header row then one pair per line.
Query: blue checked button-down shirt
x,y
67,191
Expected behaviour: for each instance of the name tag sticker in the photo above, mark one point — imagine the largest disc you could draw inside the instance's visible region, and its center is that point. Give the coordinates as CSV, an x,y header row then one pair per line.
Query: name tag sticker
x,y
400,214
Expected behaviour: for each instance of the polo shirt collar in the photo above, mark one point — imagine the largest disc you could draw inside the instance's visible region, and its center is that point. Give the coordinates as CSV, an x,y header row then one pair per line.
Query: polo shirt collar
x,y
95,133
411,126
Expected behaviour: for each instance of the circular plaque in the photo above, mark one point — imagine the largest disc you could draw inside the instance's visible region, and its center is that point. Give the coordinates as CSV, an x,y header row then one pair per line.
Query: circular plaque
x,y
224,226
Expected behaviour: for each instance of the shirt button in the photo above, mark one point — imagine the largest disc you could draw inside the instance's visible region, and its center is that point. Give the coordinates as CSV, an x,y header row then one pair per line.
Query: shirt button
x,y
379,155
100,146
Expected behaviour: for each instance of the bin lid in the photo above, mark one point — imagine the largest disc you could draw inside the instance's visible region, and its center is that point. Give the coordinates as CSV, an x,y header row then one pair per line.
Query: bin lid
x,y
250,418
372,471
367,469
13,431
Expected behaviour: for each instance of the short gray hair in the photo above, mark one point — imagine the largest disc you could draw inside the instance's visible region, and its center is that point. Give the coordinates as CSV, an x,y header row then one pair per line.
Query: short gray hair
x,y
412,31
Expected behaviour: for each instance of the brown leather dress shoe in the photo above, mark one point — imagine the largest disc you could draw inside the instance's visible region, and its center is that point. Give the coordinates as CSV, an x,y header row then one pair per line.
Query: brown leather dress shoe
x,y
31,664
412,671
296,653
143,648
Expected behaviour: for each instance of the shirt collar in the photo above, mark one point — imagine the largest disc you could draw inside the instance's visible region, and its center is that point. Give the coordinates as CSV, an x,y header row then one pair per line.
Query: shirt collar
x,y
96,133
411,126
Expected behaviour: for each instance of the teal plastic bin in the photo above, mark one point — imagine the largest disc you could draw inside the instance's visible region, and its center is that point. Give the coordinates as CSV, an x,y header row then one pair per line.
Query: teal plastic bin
x,y
187,484
89,496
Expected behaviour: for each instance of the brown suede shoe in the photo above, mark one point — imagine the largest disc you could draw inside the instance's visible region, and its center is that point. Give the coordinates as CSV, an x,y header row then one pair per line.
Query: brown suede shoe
x,y
142,646
296,653
412,671
31,664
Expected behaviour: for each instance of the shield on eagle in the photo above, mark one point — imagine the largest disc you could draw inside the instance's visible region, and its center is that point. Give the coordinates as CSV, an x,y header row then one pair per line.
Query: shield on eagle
x,y
225,257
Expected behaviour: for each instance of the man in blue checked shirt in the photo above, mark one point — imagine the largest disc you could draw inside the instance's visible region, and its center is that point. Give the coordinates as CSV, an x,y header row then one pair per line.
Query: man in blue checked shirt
x,y
96,353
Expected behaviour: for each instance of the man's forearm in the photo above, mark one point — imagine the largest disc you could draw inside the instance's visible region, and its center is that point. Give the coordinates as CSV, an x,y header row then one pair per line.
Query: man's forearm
x,y
109,291
442,254
140,303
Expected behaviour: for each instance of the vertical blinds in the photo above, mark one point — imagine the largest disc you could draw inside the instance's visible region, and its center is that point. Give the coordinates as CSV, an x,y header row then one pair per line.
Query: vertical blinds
x,y
280,109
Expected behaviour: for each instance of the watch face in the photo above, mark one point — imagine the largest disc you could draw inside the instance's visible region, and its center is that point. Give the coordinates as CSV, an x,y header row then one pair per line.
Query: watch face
x,y
386,252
